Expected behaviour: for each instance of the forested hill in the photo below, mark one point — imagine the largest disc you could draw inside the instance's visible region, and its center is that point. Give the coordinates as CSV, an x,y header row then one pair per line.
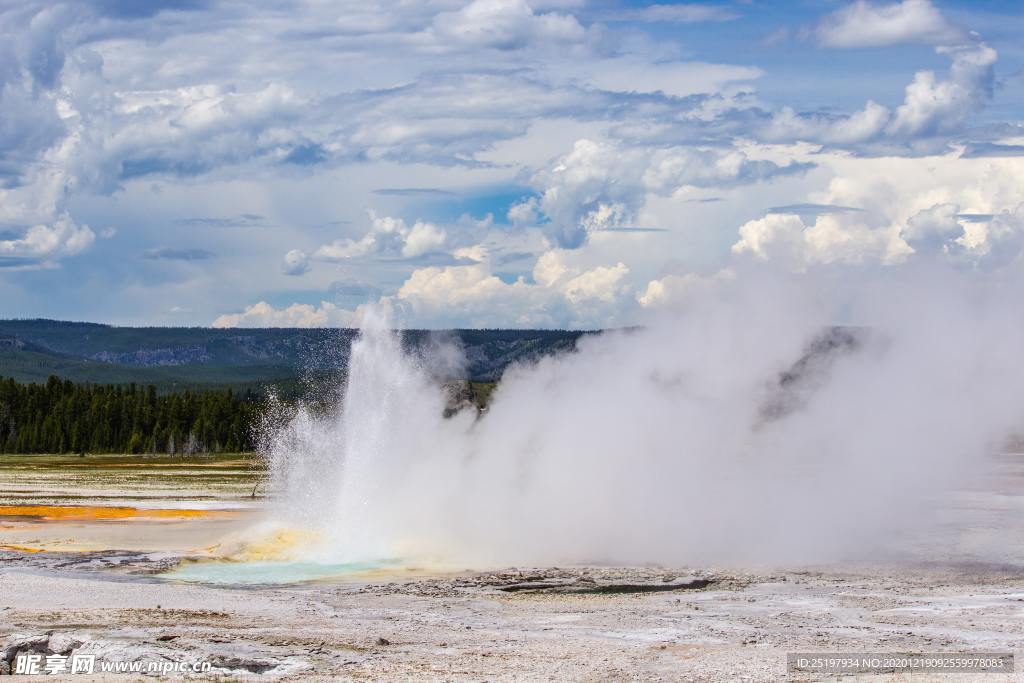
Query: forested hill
x,y
63,417
177,359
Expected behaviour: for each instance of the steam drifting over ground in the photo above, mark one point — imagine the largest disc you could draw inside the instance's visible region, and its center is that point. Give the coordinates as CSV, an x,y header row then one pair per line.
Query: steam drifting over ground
x,y
742,427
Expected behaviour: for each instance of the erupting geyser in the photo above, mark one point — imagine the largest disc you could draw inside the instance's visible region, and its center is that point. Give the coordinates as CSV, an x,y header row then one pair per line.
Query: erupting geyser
x,y
735,430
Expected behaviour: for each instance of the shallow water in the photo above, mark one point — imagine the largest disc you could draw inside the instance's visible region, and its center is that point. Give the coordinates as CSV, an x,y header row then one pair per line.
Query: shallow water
x,y
127,479
254,573
143,503
203,508
200,508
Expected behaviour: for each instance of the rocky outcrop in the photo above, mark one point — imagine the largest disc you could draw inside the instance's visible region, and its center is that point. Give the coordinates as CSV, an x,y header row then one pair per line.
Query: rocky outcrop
x,y
176,355
34,643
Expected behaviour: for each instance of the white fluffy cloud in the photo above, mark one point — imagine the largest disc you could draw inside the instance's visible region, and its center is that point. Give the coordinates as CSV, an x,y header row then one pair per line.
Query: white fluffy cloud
x,y
387,237
601,185
870,24
600,284
872,212
130,117
933,230
188,131
33,51
561,294
988,241
60,238
504,25
48,232
963,211
788,240
786,124
931,106
296,262
263,314
675,290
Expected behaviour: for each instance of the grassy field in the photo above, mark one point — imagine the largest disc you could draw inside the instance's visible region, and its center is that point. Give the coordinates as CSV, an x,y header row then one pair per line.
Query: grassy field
x,y
71,461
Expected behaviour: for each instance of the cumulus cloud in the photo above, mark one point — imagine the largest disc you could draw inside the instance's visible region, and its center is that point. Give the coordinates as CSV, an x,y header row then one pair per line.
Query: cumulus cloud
x,y
977,240
262,314
387,237
422,238
875,213
49,232
869,24
673,290
62,237
933,230
602,185
885,236
931,106
524,212
115,112
561,294
599,284
504,25
296,262
959,212
39,134
194,129
33,50
790,242
990,241
787,124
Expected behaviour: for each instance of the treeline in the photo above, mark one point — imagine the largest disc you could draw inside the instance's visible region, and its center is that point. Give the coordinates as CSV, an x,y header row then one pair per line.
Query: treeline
x,y
64,417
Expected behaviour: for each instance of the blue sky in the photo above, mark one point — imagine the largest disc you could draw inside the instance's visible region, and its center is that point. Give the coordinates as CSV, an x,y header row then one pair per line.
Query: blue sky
x,y
494,162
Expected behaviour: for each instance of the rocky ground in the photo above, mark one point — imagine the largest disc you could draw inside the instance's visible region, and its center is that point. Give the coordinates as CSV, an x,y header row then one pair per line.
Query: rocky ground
x,y
517,624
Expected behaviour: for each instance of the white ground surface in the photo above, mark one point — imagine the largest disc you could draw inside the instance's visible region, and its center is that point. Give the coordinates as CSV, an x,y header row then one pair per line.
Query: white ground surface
x,y
959,590
467,628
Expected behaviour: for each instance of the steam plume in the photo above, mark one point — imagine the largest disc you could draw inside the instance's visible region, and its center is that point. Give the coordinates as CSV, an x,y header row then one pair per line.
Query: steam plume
x,y
742,427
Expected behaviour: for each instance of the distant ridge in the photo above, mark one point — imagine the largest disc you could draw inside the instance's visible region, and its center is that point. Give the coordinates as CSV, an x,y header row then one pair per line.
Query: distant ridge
x,y
178,358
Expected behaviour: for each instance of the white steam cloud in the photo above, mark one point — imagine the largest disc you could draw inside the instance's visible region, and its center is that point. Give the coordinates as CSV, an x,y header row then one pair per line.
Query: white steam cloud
x,y
743,427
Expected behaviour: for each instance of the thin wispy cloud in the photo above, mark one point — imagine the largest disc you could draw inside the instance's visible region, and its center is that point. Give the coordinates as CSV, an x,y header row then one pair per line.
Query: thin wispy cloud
x,y
243,220
811,209
683,13
176,254
981,150
413,192
632,229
